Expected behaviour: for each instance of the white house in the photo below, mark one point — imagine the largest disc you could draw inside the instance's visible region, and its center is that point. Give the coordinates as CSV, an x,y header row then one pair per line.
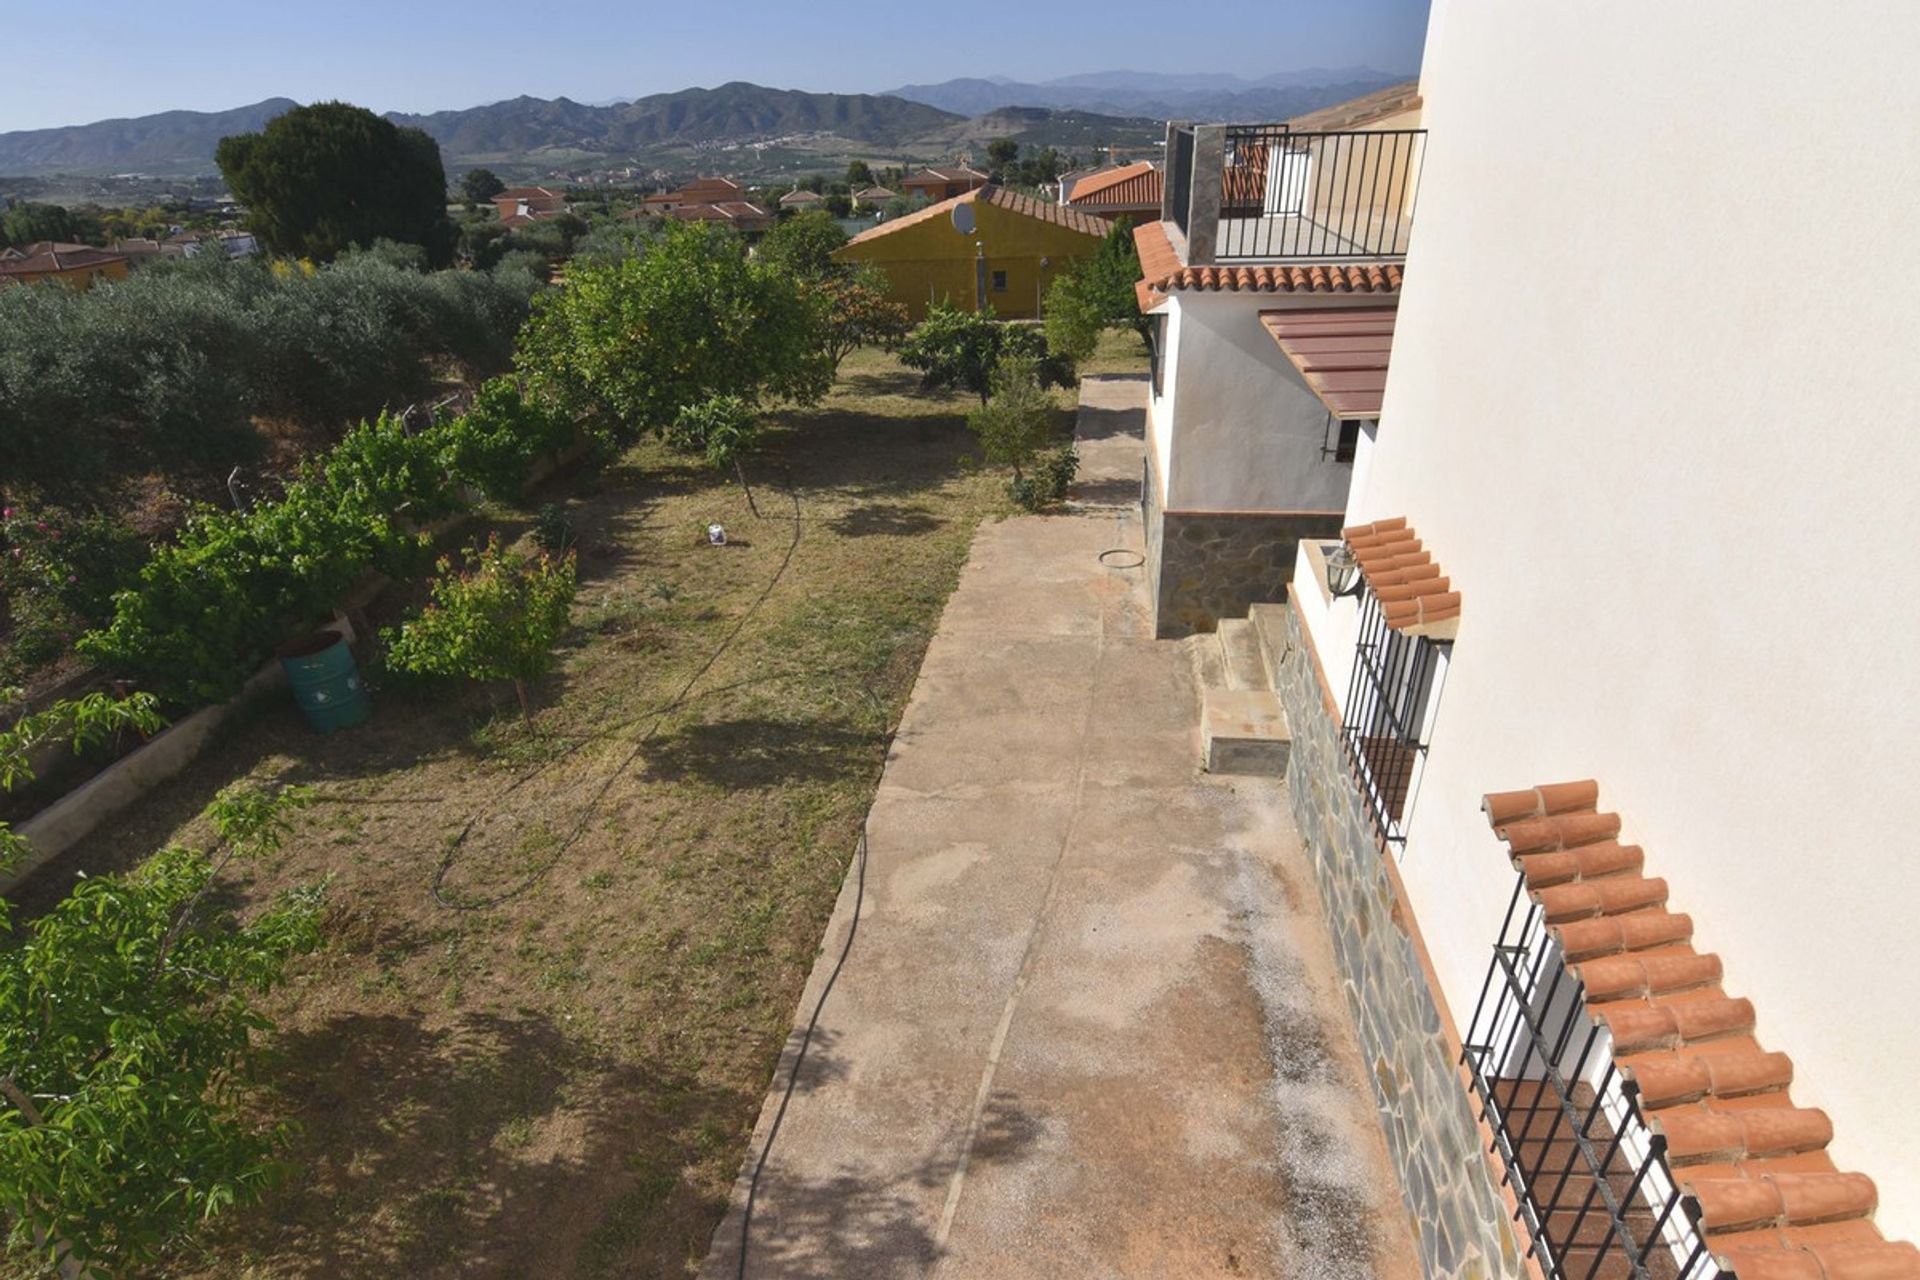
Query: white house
x,y
1246,455
1603,708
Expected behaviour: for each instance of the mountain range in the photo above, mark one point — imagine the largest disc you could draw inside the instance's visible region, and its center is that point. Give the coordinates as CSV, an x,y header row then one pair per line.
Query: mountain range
x,y
1159,95
926,122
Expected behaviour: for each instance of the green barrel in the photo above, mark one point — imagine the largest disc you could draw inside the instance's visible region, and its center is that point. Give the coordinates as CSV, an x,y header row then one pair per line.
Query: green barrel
x,y
325,682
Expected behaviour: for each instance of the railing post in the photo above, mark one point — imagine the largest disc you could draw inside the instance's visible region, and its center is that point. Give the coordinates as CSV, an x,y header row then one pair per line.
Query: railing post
x,y
1203,216
1167,162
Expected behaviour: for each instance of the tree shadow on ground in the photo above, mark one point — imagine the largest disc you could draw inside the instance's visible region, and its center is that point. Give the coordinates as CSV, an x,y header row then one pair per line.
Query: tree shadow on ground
x,y
1096,423
854,1223
889,519
759,752
499,1137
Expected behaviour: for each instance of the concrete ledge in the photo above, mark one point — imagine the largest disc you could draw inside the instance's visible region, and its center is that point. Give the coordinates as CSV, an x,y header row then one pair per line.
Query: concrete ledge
x,y
62,824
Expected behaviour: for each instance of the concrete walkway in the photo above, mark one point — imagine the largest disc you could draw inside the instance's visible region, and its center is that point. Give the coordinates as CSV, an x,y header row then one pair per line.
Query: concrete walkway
x,y
1088,1026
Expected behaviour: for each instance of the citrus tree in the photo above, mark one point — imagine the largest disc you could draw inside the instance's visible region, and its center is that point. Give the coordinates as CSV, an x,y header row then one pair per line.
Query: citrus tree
x,y
629,343
127,1047
959,350
496,618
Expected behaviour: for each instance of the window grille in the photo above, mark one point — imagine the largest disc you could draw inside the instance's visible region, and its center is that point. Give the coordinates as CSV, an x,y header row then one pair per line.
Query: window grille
x,y
1384,722
1589,1177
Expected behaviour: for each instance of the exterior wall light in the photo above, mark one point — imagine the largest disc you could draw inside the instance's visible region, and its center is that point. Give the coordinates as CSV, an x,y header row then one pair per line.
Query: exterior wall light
x,y
1343,572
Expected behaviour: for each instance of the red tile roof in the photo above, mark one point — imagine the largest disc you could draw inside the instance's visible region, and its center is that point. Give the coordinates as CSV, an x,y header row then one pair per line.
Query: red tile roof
x,y
1414,598
1341,353
936,177
1027,206
1162,272
1772,1204
1136,185
49,256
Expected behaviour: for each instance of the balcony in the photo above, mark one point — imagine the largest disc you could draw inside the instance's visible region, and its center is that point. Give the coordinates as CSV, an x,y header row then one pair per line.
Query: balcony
x,y
1269,193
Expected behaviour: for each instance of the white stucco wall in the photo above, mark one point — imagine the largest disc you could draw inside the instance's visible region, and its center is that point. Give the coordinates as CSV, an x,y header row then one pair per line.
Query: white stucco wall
x,y
1651,408
1246,433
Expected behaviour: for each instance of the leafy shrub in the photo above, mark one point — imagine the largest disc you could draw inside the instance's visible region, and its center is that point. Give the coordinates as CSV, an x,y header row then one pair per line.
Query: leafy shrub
x,y
210,606
127,1027
58,573
1014,424
1052,475
496,442
722,429
959,350
551,528
166,369
497,618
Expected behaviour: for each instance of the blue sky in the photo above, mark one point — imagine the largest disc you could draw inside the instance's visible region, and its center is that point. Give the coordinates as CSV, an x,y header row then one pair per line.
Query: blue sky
x,y
423,55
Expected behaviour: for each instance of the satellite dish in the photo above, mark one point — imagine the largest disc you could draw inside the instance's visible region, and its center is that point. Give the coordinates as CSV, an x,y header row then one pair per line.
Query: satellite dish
x,y
962,216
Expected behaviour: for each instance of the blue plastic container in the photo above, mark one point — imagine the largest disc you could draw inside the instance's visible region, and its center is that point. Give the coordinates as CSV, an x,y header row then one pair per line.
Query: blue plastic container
x,y
326,683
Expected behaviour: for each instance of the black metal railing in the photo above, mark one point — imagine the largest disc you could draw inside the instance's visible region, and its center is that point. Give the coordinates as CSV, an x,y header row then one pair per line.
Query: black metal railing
x,y
1589,1178
1335,196
1180,175
1384,721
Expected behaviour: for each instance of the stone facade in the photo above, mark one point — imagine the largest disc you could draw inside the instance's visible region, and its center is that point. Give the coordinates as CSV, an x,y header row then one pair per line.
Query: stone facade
x,y
1203,566
1459,1215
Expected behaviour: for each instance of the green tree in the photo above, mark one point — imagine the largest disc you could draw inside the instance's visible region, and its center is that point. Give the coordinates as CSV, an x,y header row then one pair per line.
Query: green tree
x,y
1015,423
497,618
26,222
628,344
960,349
859,175
127,1046
1002,154
1095,294
856,312
320,179
803,245
480,185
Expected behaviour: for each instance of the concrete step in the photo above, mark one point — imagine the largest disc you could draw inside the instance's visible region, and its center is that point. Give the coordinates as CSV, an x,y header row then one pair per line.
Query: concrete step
x,y
1244,731
1240,654
1269,622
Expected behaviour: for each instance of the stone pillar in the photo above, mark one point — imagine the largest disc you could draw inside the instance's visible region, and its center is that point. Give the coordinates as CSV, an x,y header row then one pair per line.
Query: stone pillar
x,y
1203,219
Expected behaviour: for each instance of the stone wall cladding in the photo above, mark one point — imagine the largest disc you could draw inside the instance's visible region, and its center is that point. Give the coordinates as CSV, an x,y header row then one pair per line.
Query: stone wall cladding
x,y
1214,565
1459,1216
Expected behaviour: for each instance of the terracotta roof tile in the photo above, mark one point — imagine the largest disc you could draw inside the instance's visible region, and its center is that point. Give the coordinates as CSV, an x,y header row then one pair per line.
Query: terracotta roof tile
x,y
1414,598
1771,1204
1073,219
1162,272
1137,185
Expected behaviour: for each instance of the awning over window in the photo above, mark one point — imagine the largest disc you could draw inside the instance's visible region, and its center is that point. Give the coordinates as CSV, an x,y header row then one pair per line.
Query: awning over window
x,y
1341,352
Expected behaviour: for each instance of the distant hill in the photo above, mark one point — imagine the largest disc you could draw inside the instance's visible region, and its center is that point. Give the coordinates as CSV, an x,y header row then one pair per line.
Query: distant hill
x,y
764,130
170,142
1045,127
184,141
1158,95
732,112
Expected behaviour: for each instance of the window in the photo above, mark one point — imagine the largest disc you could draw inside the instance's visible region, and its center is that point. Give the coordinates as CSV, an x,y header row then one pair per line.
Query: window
x,y
1591,1184
1157,352
999,282
1349,440
1342,441
1384,722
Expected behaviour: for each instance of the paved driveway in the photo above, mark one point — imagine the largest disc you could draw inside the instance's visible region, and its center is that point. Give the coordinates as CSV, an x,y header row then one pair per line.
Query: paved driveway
x,y
1088,1025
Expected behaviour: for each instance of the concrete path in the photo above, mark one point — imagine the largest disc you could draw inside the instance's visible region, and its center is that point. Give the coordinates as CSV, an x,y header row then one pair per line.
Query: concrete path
x,y
1088,1026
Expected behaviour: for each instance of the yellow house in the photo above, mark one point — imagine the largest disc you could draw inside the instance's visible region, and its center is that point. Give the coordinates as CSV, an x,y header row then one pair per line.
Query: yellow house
x,y
78,266
986,248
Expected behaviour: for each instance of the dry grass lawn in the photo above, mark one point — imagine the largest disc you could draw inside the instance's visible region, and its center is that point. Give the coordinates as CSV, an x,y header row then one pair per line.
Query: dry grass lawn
x,y
552,1067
